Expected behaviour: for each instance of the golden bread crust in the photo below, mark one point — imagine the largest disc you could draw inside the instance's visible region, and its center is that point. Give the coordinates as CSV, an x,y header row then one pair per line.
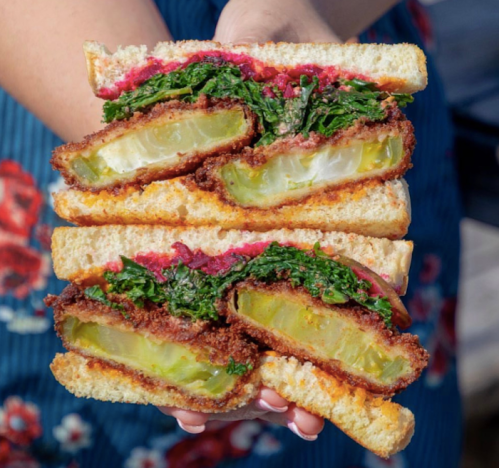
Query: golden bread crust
x,y
375,209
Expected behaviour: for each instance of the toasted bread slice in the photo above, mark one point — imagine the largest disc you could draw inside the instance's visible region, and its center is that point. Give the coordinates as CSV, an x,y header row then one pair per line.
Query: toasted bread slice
x,y
379,425
375,209
79,253
396,68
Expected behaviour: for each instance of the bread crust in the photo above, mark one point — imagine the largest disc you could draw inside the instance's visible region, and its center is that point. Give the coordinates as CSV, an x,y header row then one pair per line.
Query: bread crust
x,y
375,209
381,426
82,254
395,67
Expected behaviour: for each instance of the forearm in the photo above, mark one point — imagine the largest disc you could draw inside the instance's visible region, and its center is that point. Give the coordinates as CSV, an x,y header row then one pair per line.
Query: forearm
x,y
41,56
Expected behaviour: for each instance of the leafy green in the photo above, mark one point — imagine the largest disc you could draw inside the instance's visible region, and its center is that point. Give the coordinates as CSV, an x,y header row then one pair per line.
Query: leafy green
x,y
193,293
324,111
237,368
96,293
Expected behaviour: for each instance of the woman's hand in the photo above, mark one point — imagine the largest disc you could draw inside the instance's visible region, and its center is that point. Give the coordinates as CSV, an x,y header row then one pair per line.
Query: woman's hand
x,y
268,406
272,20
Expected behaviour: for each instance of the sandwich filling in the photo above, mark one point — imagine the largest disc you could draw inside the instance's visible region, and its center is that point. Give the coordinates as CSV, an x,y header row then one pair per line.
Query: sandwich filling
x,y
305,100
294,168
168,141
170,123
340,340
197,286
197,359
175,363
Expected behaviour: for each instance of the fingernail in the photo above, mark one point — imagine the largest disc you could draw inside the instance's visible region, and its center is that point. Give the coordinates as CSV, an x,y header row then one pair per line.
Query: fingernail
x,y
262,404
294,428
191,429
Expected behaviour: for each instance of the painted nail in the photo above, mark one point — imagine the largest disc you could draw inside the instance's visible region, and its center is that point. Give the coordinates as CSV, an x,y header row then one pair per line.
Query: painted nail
x,y
262,404
294,428
191,429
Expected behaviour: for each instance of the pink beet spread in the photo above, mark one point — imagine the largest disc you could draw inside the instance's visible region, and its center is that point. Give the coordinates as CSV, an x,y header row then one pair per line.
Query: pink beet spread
x,y
249,66
197,259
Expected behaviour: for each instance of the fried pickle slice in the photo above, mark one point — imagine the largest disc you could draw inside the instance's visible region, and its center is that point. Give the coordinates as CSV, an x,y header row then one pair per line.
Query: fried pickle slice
x,y
291,169
346,341
154,347
170,140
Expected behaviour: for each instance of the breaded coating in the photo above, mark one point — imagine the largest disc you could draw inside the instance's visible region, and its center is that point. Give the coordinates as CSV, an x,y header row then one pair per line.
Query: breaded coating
x,y
162,113
208,176
405,344
154,323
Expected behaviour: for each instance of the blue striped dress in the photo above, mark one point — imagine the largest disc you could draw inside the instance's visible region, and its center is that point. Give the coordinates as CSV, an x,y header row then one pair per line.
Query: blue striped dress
x,y
42,425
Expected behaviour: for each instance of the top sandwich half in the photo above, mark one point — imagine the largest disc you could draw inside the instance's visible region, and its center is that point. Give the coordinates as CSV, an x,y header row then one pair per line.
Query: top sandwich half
x,y
285,121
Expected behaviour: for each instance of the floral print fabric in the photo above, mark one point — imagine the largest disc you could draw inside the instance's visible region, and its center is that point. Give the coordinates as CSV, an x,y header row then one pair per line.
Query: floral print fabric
x,y
42,425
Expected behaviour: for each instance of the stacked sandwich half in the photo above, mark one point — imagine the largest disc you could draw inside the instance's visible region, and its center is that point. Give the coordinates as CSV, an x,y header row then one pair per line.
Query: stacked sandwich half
x,y
238,222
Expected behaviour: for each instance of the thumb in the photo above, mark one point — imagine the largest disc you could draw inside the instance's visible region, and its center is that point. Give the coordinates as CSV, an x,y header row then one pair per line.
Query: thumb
x,y
240,23
269,20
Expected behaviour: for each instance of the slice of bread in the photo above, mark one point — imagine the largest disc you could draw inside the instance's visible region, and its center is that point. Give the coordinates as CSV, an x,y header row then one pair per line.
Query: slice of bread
x,y
79,253
379,425
377,209
397,67
89,378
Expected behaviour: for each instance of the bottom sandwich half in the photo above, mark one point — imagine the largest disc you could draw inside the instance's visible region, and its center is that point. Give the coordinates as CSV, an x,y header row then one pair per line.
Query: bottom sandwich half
x,y
201,318
379,425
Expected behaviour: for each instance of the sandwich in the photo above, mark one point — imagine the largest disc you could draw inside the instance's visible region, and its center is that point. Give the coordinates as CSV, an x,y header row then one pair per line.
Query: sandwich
x,y
199,318
239,218
247,137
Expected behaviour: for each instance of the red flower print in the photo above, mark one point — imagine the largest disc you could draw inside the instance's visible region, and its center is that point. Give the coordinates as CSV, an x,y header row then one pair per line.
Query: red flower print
x,y
442,348
21,269
144,458
220,442
20,200
425,303
43,233
430,271
422,21
14,458
19,421
73,434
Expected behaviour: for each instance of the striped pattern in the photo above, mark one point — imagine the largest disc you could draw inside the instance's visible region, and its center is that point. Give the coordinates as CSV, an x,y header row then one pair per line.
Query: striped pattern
x,y
119,428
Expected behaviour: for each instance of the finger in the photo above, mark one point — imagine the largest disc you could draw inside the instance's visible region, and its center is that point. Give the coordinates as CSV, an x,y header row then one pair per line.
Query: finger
x,y
301,422
307,424
268,400
191,429
186,417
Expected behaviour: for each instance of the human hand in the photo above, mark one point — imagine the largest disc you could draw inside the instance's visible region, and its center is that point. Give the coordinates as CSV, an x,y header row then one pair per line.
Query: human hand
x,y
273,20
268,406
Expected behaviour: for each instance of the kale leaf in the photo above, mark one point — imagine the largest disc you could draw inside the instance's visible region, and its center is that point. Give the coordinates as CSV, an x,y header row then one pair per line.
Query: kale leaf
x,y
324,111
237,368
193,293
97,294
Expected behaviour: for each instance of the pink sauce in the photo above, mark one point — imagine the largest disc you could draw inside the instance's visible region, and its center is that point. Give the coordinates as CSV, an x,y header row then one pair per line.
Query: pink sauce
x,y
249,66
197,259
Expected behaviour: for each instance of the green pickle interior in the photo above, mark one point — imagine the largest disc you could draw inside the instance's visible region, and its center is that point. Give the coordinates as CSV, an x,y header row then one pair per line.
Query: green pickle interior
x,y
293,174
171,362
159,143
325,333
